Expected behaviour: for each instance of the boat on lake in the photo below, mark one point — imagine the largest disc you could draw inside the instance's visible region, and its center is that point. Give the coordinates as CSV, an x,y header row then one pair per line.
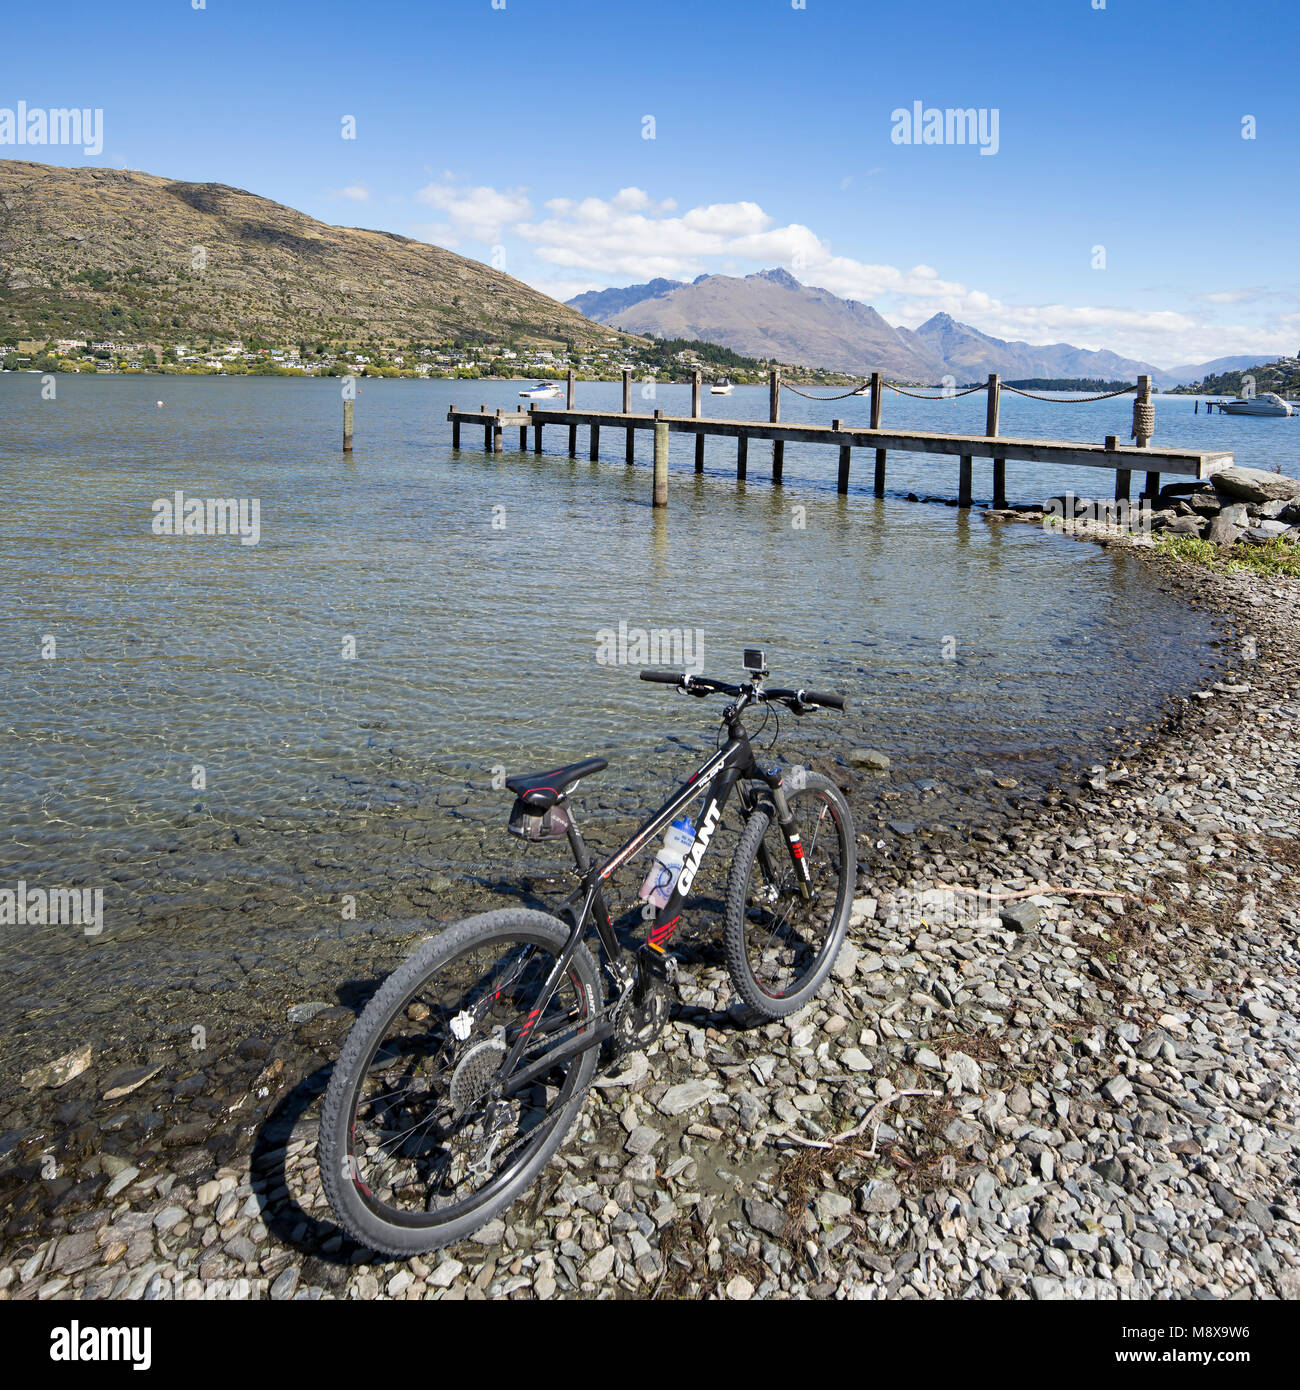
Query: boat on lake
x,y
721,388
1267,403
541,391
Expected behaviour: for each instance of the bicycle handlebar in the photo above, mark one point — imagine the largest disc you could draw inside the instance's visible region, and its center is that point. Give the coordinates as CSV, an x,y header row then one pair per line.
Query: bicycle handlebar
x,y
797,700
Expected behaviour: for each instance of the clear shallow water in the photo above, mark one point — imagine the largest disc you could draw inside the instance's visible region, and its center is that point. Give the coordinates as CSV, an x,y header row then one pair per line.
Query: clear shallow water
x,y
477,646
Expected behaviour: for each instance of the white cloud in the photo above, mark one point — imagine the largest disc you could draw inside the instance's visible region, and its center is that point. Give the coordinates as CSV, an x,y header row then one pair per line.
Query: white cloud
x,y
481,213
593,242
354,192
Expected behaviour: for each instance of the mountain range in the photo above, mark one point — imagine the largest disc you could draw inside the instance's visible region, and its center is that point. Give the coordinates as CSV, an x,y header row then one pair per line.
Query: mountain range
x,y
771,314
110,253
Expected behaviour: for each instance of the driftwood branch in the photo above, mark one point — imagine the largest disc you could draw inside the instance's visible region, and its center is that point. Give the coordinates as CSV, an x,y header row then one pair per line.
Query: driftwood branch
x,y
872,1117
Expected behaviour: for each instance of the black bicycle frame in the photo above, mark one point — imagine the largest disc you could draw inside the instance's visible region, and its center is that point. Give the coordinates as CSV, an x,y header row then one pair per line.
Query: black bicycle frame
x,y
715,779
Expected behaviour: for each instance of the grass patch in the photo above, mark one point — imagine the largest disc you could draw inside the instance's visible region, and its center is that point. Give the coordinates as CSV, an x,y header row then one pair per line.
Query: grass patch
x,y
1278,557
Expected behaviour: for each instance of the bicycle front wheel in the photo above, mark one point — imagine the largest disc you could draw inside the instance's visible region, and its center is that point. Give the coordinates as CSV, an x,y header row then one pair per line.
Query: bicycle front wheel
x,y
781,943
423,1138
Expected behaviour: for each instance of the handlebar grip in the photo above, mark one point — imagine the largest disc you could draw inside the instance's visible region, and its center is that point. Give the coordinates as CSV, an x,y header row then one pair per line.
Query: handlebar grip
x,y
815,697
662,677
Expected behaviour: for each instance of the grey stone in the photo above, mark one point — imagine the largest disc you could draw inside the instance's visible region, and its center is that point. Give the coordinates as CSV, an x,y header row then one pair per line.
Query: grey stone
x,y
878,1196
687,1095
1255,485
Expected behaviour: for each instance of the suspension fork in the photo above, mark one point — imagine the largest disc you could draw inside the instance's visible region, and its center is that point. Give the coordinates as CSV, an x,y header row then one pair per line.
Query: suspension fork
x,y
789,832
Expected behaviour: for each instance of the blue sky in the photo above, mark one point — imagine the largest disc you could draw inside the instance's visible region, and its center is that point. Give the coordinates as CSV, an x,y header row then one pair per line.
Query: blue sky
x,y
517,132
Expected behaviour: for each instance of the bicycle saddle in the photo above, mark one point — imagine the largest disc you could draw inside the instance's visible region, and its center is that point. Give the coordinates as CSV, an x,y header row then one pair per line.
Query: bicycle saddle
x,y
541,790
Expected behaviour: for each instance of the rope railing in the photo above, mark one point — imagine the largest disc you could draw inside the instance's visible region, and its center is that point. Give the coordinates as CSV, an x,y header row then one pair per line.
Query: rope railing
x,y
1073,400
1144,415
943,396
863,390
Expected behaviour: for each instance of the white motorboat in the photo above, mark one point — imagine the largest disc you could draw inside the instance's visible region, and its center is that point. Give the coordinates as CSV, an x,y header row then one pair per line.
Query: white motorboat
x,y
721,388
1267,403
542,391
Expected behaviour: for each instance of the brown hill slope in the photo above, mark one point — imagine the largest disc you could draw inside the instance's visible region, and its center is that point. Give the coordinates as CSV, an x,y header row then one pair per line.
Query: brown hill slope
x,y
770,314
107,253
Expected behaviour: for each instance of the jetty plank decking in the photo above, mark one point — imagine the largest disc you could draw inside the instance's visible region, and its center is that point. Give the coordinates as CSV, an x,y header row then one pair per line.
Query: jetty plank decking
x,y
1122,460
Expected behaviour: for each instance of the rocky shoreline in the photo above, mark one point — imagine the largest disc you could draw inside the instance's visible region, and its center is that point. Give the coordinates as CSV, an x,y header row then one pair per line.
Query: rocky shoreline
x,y
1058,1059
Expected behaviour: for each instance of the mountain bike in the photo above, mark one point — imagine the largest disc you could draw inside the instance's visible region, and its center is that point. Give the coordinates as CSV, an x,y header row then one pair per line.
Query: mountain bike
x,y
466,1070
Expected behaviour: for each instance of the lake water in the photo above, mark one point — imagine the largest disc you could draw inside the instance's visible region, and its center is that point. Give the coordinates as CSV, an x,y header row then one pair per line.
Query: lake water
x,y
476,589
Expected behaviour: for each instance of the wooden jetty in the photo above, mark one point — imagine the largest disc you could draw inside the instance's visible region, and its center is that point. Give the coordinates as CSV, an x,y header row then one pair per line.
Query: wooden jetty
x,y
1122,460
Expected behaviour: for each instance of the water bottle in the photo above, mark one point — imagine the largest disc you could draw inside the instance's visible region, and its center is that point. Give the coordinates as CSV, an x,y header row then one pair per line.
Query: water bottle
x,y
658,885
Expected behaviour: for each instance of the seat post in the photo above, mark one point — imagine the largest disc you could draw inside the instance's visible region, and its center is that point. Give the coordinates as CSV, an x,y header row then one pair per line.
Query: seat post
x,y
577,844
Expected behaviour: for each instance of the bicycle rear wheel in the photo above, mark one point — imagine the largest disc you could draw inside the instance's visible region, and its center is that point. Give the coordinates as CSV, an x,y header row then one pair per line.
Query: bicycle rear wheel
x,y
422,1141
780,946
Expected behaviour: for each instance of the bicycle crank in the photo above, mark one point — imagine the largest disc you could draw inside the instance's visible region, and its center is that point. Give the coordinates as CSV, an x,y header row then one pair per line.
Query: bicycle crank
x,y
638,1022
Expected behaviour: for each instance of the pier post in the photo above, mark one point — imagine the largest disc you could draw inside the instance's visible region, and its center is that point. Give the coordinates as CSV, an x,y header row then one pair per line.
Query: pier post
x,y
629,452
573,441
742,457
348,416
569,388
964,481
660,497
695,415
455,427
774,415
877,404
487,430
537,428
523,438
843,484
498,430
991,429
1152,490
595,442
1123,484
1142,408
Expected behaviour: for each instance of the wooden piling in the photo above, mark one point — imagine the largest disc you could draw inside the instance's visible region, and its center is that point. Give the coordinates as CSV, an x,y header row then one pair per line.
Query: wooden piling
x,y
455,427
842,486
774,414
523,438
660,495
595,442
695,394
573,441
742,456
964,480
569,389
627,390
1153,487
348,416
1144,395
537,437
877,405
1123,484
498,430
630,449
991,429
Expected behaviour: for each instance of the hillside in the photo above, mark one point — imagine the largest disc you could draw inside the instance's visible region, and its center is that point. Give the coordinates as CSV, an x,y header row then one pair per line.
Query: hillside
x,y
971,354
602,305
1282,376
115,254
770,314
